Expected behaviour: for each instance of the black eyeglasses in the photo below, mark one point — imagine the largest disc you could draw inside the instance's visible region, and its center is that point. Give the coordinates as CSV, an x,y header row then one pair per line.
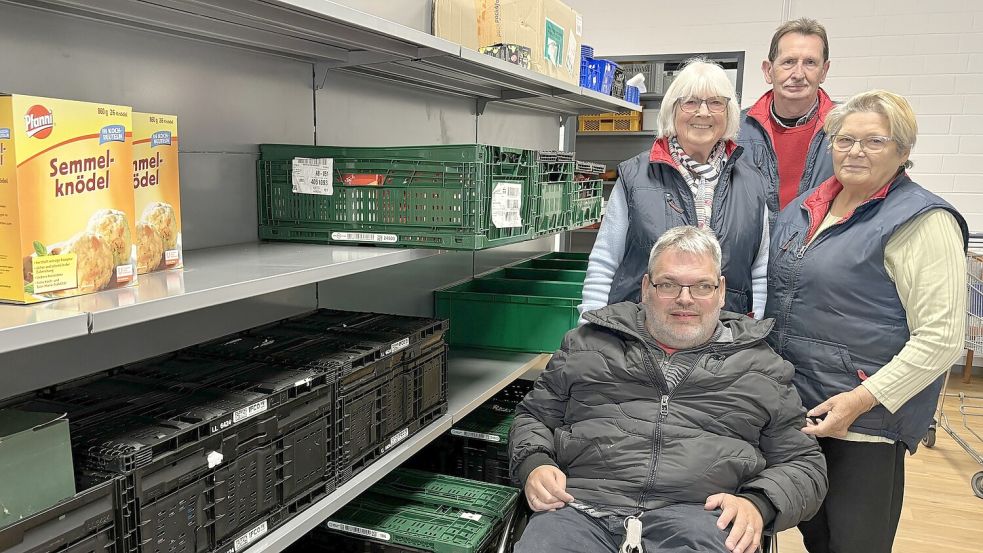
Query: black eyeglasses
x,y
671,290
715,104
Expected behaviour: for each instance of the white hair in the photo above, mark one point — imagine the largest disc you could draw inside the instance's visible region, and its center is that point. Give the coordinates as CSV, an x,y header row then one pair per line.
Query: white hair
x,y
699,78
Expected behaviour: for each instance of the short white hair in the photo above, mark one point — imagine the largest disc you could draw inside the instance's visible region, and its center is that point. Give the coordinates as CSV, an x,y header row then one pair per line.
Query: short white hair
x,y
699,78
687,239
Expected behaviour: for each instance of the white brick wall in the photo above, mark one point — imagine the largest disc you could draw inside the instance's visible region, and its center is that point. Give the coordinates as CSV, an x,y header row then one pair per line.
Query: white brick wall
x,y
932,52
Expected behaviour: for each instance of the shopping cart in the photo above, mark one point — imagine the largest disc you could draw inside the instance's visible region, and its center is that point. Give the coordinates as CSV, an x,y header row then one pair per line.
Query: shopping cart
x,y
970,407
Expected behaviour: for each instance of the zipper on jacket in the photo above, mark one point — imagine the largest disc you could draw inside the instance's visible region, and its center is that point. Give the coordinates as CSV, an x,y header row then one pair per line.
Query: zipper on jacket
x,y
672,204
788,243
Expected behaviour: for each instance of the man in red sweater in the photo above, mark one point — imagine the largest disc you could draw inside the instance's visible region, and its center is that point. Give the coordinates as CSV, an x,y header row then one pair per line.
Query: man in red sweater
x,y
783,130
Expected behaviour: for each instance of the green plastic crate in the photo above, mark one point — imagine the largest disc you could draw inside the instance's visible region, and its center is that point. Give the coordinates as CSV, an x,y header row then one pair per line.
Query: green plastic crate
x,y
399,522
509,314
565,264
429,196
525,273
577,256
553,188
428,488
585,203
490,423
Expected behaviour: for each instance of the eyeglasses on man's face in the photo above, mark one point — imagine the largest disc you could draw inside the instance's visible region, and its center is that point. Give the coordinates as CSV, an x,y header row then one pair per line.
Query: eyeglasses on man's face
x,y
844,143
715,104
672,290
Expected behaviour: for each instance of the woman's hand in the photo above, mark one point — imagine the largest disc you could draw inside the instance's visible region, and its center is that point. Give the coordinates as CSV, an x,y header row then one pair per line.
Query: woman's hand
x,y
840,411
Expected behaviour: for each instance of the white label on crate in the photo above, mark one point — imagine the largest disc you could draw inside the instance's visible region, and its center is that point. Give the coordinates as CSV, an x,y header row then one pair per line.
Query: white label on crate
x,y
475,435
506,207
397,438
363,237
402,344
471,516
580,24
359,530
250,411
249,537
313,176
305,382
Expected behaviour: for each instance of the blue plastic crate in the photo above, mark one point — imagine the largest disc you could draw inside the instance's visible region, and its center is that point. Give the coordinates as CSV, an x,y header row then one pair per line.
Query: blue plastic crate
x,y
586,51
588,74
602,75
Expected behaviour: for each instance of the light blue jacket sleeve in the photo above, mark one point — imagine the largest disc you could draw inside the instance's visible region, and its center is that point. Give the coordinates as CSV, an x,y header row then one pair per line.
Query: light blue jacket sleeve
x,y
608,252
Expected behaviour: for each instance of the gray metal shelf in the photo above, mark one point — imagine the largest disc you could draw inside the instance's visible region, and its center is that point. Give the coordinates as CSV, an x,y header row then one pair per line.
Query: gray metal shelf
x,y
473,377
621,134
333,36
212,276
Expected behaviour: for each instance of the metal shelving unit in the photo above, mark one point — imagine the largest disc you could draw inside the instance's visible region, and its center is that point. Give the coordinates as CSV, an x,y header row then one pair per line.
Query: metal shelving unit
x,y
336,37
332,38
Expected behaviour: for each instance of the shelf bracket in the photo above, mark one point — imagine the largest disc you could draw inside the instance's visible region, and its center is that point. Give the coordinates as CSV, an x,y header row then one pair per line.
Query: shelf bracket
x,y
505,96
321,74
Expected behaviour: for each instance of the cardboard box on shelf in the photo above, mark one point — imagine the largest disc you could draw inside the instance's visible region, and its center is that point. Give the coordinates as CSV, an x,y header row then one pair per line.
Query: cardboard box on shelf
x,y
549,28
66,200
157,192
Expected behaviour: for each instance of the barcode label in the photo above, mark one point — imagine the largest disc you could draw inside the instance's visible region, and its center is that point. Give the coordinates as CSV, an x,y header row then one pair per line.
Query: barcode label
x,y
471,516
402,344
363,237
359,531
475,435
506,207
249,537
252,410
397,438
124,272
312,176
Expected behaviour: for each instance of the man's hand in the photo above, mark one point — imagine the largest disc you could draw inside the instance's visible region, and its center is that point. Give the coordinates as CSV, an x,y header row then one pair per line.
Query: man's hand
x,y
546,489
840,410
745,534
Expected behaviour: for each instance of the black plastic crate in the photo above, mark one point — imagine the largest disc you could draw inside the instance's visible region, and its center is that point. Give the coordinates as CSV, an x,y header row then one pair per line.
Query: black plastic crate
x,y
271,522
83,523
186,371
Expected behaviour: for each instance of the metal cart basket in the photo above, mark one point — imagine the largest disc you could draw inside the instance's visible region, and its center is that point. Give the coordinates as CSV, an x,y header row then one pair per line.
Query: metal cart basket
x,y
970,407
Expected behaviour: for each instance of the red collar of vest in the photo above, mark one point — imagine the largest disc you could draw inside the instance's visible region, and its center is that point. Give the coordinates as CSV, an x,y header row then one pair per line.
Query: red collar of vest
x,y
819,202
660,151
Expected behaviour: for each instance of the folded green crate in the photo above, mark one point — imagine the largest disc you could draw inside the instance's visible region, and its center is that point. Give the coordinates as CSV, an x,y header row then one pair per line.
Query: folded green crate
x,y
526,273
509,314
428,488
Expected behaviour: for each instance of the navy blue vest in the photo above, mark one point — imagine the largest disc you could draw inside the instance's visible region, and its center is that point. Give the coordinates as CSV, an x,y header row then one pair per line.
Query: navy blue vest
x,y
838,317
659,199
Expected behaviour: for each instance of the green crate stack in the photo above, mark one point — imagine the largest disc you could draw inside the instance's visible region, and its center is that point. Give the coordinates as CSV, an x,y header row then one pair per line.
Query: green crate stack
x,y
425,512
528,314
554,177
585,203
586,194
429,196
438,490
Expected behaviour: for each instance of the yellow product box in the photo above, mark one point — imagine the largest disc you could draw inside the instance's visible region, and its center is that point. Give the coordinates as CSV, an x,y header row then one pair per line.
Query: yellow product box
x,y
157,192
66,203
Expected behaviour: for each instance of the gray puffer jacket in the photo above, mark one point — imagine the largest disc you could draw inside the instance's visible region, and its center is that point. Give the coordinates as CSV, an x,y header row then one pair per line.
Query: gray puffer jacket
x,y
602,413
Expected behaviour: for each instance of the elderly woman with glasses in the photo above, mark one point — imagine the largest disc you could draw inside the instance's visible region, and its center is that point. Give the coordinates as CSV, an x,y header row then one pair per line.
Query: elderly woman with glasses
x,y
867,286
696,175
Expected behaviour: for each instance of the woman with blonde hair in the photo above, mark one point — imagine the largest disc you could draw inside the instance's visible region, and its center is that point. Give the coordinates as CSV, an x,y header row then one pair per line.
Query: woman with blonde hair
x,y
867,286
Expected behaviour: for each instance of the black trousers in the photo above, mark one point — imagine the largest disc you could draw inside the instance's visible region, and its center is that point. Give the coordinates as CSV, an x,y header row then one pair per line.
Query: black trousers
x,y
863,506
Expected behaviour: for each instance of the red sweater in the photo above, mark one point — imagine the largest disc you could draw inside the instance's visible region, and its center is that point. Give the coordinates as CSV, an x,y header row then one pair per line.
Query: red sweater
x,y
791,147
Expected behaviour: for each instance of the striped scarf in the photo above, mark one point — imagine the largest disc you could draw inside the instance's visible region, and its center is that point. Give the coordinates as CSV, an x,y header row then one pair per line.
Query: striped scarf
x,y
701,177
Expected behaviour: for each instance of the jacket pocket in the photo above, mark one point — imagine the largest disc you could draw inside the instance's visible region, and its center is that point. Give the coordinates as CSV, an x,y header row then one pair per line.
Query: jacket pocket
x,y
578,457
822,368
